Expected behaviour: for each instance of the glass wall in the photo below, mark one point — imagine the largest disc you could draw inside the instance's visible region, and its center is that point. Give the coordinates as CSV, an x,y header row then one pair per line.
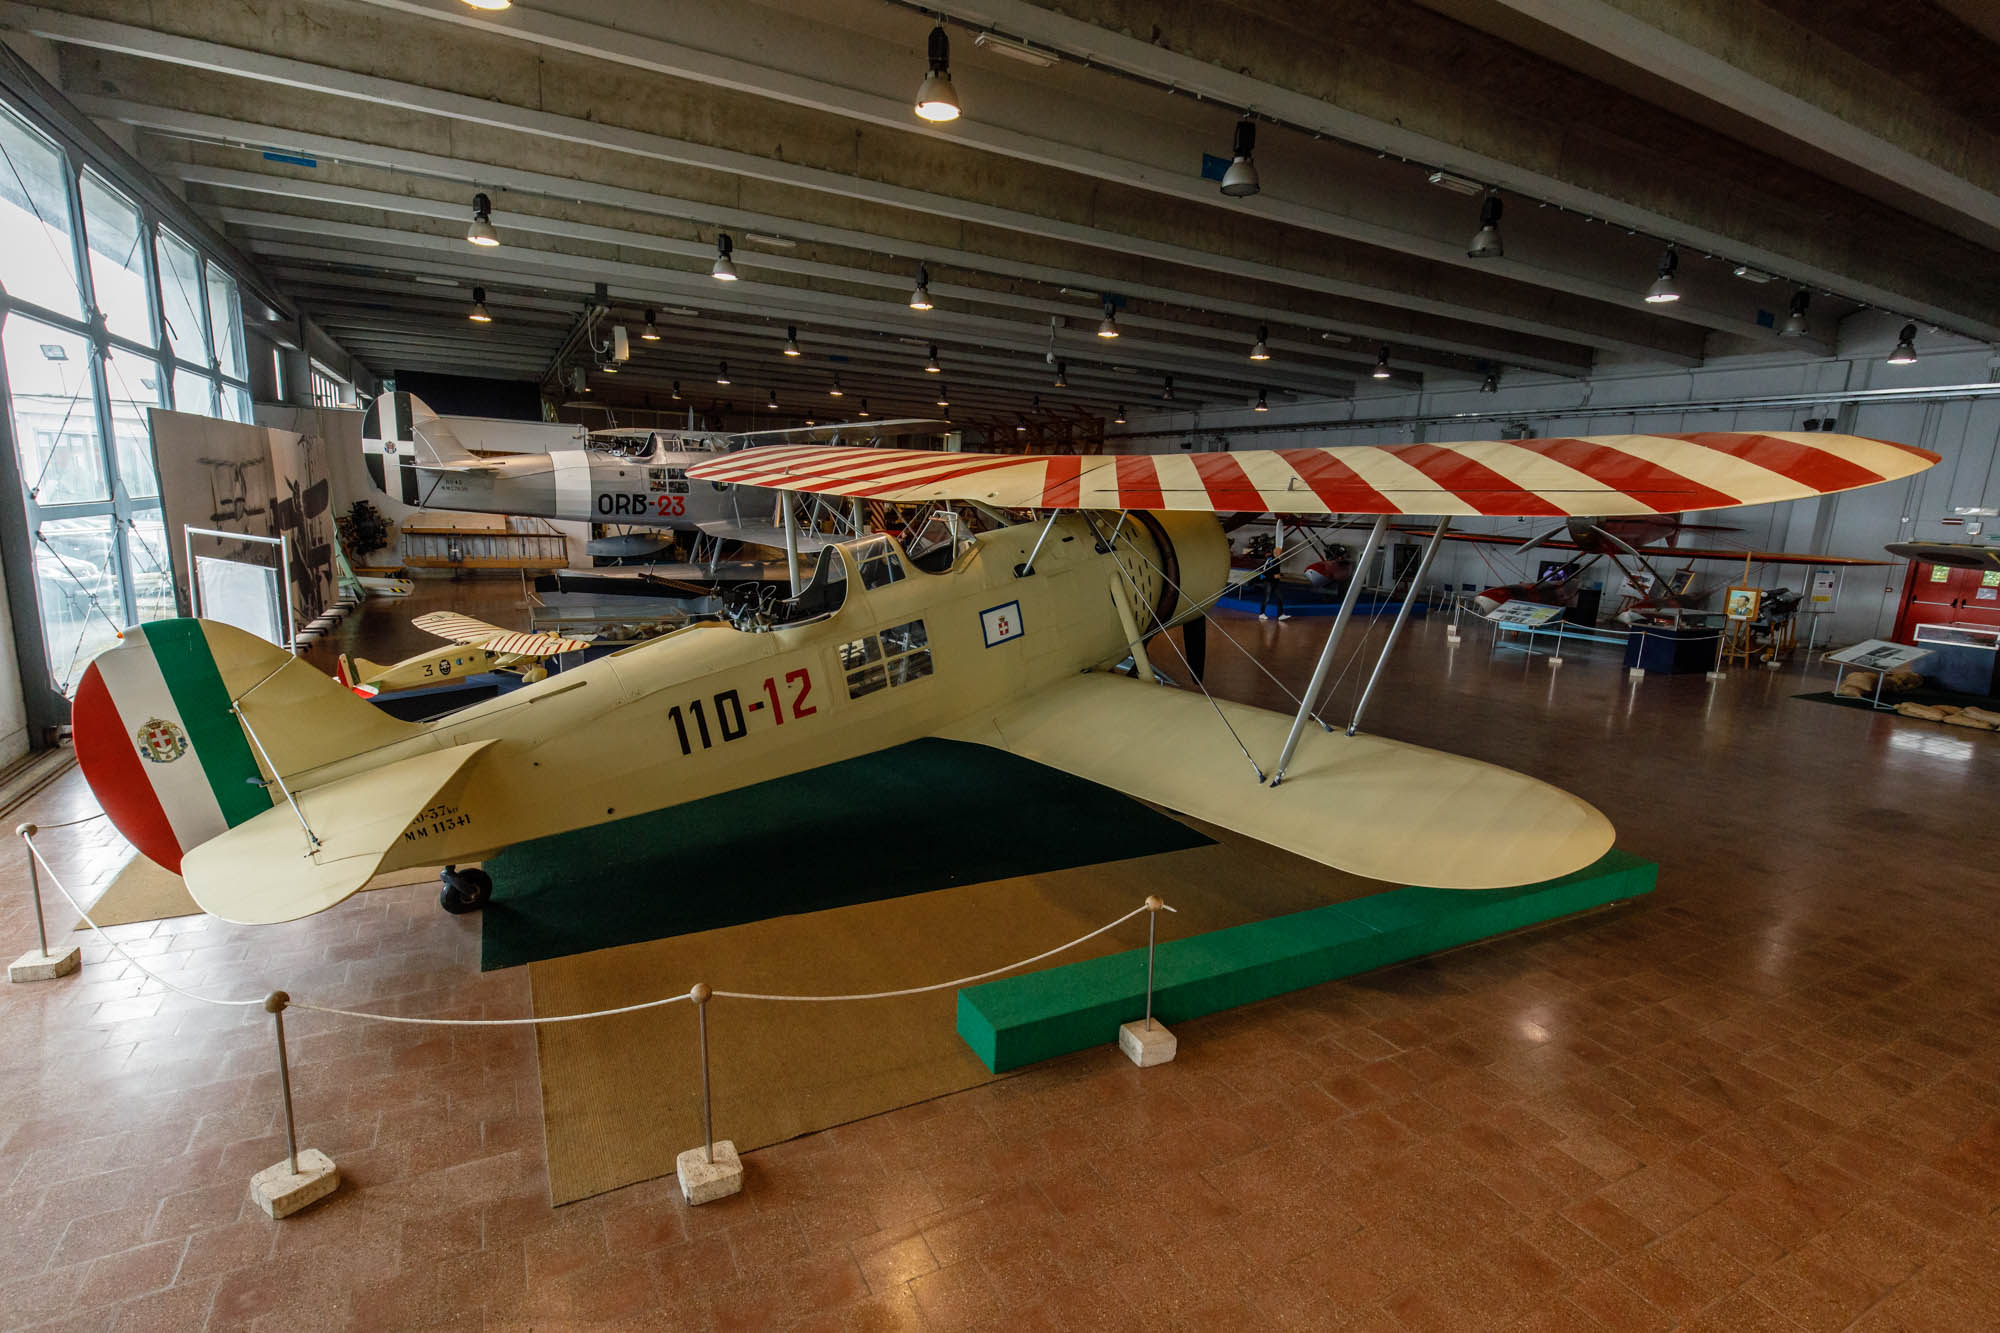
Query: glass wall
x,y
104,315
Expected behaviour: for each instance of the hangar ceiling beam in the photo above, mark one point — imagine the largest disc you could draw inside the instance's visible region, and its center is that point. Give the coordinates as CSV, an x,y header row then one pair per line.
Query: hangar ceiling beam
x,y
1349,194
1747,57
1487,299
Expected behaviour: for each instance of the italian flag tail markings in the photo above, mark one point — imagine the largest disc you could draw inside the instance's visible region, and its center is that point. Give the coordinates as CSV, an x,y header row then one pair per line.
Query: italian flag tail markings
x,y
159,743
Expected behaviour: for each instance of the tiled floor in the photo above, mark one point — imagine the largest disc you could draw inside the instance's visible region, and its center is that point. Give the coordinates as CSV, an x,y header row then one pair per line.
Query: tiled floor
x,y
1766,1097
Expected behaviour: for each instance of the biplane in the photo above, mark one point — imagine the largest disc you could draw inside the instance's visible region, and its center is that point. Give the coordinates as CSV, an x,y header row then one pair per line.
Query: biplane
x,y
478,647
625,478
277,793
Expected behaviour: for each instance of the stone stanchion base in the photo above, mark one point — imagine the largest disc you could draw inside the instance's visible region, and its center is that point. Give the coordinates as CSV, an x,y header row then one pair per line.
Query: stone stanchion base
x,y
34,965
703,1181
1145,1046
280,1191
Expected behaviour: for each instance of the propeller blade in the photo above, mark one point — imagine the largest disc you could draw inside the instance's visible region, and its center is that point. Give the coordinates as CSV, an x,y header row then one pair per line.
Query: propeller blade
x,y
1541,537
1194,639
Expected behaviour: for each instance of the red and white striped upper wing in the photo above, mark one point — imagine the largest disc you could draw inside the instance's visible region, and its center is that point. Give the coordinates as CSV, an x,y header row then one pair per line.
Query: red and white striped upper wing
x,y
476,633
1553,478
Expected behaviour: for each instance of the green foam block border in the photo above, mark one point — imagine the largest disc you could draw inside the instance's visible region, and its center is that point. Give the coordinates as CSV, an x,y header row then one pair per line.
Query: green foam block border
x,y
1017,1021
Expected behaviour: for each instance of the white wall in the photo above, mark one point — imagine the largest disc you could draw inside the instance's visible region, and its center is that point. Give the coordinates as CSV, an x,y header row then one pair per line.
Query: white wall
x,y
1965,432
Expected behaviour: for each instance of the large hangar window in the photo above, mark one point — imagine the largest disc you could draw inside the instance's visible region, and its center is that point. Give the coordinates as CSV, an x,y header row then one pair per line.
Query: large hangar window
x,y
104,315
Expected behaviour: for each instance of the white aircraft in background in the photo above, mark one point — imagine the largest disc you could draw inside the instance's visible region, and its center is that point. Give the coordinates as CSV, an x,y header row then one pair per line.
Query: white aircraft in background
x,y
627,477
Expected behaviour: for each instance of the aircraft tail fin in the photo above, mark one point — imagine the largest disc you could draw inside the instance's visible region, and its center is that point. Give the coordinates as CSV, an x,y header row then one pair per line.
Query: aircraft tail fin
x,y
161,735
400,437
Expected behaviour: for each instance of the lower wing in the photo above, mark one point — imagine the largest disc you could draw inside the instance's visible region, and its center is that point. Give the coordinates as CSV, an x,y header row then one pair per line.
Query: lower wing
x,y
1362,804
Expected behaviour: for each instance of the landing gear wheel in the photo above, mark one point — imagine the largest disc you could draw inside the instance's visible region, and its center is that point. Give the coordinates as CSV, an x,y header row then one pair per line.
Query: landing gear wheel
x,y
464,890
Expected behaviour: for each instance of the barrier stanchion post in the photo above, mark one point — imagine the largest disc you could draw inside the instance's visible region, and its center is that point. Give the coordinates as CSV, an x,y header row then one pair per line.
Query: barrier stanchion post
x,y
303,1178
1556,658
1636,672
40,964
712,1171
1148,1043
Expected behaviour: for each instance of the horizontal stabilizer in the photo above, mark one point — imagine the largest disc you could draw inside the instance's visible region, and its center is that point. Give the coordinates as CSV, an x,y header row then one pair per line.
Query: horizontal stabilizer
x,y
1599,476
260,872
1362,804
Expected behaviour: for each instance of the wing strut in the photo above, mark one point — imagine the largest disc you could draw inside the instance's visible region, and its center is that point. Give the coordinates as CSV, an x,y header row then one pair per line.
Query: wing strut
x,y
1402,614
785,502
1346,613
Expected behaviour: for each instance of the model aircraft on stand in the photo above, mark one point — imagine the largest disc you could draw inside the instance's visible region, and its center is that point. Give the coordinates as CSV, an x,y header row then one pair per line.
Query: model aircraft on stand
x,y
627,478
478,647
276,793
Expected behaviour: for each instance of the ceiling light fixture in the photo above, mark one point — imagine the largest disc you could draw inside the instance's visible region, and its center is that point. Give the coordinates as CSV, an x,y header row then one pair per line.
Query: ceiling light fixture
x,y
836,391
621,344
1108,326
772,402
1118,417
1021,426
1167,389
1486,244
864,407
1795,322
920,299
677,391
1261,406
481,231
491,6
651,333
944,396
936,102
1240,181
1062,374
931,367
722,372
1906,347
1456,184
1381,371
792,340
1261,349
478,314
1491,384
724,268
1014,50
1664,288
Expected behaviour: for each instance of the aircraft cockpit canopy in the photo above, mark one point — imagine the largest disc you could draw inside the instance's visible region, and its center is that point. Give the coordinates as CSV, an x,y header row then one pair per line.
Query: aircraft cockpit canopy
x,y
644,445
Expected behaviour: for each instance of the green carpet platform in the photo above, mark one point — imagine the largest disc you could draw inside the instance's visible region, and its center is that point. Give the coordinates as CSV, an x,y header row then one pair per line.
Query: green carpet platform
x,y
1019,1020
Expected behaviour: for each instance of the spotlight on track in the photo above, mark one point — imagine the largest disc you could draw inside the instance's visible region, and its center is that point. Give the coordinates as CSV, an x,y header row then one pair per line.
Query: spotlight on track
x,y
936,100
478,314
1486,244
1381,371
481,232
1240,180
920,299
1665,288
724,268
1906,347
1795,322
651,333
792,340
1261,349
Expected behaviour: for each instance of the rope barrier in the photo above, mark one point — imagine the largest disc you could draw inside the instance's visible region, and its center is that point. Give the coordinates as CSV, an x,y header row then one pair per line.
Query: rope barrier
x,y
533,1021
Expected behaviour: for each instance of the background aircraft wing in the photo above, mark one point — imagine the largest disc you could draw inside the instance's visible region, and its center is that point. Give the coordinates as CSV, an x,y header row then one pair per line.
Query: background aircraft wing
x,y
478,634
765,534
1553,478
1665,554
846,432
1362,804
